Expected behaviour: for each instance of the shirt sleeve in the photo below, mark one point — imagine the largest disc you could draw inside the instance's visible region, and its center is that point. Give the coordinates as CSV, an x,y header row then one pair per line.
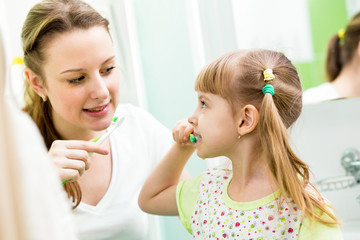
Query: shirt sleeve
x,y
319,231
187,193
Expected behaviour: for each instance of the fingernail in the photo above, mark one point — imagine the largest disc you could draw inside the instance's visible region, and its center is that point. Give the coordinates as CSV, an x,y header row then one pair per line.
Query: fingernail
x,y
106,151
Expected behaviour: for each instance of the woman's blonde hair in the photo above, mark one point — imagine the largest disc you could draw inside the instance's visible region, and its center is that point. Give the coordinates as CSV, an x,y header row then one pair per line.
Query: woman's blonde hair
x,y
238,78
43,23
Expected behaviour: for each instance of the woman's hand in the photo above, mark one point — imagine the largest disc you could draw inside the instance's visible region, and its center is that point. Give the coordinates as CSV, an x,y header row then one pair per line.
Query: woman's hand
x,y
71,157
181,132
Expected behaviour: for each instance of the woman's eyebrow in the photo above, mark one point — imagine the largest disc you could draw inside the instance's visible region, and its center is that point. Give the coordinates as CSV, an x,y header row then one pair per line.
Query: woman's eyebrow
x,y
108,60
82,69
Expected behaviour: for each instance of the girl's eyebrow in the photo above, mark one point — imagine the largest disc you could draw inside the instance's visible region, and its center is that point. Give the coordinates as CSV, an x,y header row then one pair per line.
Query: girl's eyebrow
x,y
203,97
82,69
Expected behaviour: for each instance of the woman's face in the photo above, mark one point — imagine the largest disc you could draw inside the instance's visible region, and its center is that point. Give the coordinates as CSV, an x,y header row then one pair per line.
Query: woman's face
x,y
81,81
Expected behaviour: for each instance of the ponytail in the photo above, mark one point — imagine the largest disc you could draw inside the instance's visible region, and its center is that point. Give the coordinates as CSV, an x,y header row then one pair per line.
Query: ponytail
x,y
334,62
40,112
290,173
342,47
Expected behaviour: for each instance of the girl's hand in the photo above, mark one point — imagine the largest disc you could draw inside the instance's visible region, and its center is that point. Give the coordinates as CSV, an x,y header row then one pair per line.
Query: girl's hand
x,y
181,132
71,157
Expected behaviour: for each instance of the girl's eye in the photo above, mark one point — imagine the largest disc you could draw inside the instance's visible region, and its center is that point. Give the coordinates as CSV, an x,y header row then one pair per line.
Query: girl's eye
x,y
108,70
203,104
75,80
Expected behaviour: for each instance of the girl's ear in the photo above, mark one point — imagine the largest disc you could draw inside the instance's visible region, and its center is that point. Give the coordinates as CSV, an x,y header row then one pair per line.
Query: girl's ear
x,y
248,119
35,82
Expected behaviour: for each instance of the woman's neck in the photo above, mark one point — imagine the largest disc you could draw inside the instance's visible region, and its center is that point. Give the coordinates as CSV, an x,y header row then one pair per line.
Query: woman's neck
x,y
347,84
70,133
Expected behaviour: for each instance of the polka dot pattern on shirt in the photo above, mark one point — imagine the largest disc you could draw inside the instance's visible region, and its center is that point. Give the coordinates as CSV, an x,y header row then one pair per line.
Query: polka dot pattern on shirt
x,y
213,218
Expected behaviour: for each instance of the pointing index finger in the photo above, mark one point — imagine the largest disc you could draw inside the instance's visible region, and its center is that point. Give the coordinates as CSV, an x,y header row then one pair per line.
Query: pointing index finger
x,y
89,146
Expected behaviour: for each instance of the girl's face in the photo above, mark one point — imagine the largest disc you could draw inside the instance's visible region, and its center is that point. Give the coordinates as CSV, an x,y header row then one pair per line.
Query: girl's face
x,y
213,120
81,81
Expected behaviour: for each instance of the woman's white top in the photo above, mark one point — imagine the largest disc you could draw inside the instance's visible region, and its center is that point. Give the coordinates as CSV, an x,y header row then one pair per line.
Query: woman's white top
x,y
323,92
137,146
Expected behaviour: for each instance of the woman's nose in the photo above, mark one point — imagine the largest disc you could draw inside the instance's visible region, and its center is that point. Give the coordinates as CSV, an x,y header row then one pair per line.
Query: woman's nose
x,y
99,89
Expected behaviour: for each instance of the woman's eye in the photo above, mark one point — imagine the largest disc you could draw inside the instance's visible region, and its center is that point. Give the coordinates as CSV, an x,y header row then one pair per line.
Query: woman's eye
x,y
108,70
75,80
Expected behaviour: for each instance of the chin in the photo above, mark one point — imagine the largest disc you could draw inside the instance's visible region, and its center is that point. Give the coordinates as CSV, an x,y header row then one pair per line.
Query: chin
x,y
201,154
101,125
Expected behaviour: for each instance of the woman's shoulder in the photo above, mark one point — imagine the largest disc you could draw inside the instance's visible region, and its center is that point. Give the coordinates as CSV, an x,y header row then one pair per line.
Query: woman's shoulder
x,y
323,92
134,113
129,110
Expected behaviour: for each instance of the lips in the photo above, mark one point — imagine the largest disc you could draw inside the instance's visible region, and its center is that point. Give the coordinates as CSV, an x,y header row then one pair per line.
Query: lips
x,y
96,109
198,136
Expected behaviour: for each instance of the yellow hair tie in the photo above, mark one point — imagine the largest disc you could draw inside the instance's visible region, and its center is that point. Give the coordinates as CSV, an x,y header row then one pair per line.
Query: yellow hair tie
x,y
17,61
268,75
341,34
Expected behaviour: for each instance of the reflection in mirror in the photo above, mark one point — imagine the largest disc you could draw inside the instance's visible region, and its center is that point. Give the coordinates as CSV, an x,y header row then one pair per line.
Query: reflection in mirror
x,y
324,135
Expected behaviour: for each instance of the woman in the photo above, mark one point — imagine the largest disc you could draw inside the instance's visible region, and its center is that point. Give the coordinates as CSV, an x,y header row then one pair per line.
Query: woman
x,y
72,95
342,66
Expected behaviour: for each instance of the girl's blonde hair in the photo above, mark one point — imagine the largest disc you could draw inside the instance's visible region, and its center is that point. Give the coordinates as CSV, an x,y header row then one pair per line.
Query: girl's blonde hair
x,y
238,78
43,23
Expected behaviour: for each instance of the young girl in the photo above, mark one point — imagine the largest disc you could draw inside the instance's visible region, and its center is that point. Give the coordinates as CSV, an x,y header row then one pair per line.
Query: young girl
x,y
246,102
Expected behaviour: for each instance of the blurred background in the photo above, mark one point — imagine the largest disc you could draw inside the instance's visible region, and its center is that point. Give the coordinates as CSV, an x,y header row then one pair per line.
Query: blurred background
x,y
161,45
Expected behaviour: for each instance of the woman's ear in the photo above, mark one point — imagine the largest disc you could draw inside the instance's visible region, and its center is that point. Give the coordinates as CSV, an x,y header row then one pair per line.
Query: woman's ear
x,y
35,82
248,119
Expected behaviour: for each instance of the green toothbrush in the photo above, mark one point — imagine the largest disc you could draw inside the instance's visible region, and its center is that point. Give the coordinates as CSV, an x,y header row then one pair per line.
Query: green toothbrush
x,y
116,122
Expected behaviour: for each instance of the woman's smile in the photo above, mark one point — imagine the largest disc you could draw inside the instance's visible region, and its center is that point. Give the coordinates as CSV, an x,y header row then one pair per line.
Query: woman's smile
x,y
98,111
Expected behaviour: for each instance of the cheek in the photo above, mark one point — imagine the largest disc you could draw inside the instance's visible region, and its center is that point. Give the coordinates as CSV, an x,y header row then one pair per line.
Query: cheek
x,y
114,86
67,98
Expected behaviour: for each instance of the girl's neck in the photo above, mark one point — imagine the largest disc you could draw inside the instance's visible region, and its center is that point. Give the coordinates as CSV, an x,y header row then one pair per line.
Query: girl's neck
x,y
347,84
251,178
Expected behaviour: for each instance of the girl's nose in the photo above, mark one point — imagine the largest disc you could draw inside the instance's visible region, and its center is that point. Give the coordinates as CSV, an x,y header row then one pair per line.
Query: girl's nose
x,y
99,89
193,120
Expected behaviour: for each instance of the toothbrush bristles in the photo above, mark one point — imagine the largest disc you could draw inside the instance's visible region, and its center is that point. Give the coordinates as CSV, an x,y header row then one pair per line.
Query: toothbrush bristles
x,y
193,138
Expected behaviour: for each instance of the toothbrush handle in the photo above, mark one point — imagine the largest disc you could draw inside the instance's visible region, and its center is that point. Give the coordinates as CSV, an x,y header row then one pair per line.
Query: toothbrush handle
x,y
104,137
64,182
